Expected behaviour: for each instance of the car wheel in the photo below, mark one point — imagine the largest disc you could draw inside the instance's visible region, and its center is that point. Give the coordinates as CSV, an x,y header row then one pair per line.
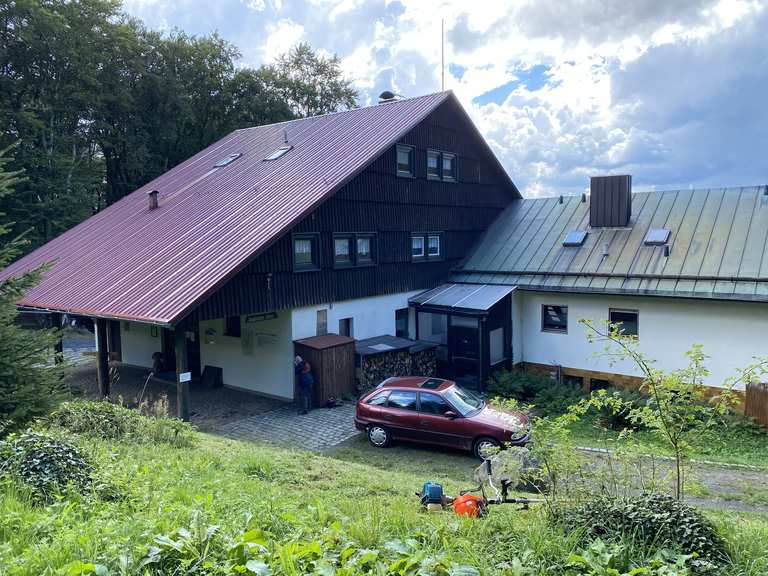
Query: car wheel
x,y
379,436
486,447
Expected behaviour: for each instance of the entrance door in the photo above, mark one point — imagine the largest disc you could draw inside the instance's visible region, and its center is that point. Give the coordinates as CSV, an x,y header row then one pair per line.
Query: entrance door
x,y
464,346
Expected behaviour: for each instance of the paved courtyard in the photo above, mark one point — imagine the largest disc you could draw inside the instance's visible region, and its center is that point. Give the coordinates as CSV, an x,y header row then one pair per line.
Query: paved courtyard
x,y
228,412
320,429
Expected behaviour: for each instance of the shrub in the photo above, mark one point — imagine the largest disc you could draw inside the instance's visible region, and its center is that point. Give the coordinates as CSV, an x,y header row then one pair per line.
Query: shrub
x,y
654,519
601,558
114,422
620,418
550,398
47,465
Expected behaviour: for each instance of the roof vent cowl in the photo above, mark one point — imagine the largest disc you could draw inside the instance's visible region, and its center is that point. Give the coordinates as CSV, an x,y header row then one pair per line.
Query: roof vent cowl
x,y
610,201
387,96
153,199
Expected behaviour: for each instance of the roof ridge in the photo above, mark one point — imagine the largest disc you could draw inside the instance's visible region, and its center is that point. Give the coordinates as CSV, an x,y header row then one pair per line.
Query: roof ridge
x,y
664,191
348,110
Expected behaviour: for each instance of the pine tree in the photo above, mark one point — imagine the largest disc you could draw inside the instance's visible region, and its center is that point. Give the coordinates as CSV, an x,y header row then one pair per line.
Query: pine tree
x,y
30,383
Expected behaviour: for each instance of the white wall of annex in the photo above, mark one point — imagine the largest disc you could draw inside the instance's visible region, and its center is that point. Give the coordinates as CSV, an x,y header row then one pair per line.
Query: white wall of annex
x,y
137,343
732,333
260,360
372,316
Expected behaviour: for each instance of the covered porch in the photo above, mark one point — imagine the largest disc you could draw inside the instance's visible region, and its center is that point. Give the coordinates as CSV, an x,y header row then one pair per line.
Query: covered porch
x,y
248,353
472,326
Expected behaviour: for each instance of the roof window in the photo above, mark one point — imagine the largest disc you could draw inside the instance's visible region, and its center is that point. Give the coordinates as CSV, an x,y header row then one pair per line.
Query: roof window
x,y
227,160
575,238
656,237
279,152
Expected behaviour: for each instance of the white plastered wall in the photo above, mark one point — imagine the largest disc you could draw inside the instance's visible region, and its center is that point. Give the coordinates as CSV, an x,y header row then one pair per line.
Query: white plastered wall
x,y
260,360
730,332
372,316
137,343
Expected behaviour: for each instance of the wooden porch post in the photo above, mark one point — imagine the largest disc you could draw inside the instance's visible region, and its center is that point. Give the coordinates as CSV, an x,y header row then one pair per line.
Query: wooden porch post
x,y
182,388
102,360
58,347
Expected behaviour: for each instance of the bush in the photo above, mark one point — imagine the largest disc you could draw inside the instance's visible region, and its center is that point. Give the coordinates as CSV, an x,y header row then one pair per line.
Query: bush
x,y
47,465
114,422
619,419
550,398
654,519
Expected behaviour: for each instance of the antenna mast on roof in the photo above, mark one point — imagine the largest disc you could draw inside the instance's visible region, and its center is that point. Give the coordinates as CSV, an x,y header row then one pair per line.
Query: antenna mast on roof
x,y
442,55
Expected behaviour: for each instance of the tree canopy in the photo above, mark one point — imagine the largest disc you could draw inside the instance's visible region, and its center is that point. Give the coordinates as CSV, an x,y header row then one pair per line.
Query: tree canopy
x,y
29,381
100,105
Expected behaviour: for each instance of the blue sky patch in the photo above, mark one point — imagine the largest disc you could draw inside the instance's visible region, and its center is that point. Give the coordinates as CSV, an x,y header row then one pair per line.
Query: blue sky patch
x,y
533,78
456,70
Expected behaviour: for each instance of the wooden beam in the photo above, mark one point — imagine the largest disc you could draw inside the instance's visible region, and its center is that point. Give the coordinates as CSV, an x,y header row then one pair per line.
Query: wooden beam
x,y
58,347
102,359
182,388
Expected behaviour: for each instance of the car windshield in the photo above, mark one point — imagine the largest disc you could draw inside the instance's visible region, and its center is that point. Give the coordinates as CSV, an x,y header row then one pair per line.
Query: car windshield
x,y
463,400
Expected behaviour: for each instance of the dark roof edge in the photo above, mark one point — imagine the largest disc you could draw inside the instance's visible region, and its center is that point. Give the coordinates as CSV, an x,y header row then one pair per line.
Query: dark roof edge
x,y
617,275
722,297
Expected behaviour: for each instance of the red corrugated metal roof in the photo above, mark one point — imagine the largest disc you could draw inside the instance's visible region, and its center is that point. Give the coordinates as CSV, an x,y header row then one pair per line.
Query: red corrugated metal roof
x,y
156,265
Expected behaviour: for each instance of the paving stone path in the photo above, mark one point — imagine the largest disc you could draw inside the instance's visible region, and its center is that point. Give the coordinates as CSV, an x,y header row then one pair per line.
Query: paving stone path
x,y
318,430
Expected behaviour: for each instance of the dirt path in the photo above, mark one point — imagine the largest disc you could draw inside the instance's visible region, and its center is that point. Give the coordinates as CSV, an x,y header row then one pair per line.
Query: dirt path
x,y
713,486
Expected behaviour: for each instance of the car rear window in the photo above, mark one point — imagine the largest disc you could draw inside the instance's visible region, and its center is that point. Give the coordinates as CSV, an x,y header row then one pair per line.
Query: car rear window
x,y
405,400
379,399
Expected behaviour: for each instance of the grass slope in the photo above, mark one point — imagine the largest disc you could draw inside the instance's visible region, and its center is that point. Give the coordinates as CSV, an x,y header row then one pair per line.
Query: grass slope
x,y
239,485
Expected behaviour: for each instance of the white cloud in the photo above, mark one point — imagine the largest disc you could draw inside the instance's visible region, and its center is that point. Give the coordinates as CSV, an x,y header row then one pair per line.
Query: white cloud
x,y
672,91
282,35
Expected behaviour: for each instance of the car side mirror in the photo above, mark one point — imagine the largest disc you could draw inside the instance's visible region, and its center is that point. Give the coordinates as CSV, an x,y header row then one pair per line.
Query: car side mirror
x,y
450,414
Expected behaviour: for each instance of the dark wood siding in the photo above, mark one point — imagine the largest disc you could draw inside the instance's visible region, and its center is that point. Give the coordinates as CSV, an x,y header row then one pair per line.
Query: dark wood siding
x,y
379,201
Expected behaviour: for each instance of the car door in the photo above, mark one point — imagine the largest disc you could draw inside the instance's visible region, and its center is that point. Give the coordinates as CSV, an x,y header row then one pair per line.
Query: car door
x,y
437,428
401,415
374,408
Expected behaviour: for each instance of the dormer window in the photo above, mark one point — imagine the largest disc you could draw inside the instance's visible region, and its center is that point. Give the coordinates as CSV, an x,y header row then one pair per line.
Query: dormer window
x,y
280,152
405,161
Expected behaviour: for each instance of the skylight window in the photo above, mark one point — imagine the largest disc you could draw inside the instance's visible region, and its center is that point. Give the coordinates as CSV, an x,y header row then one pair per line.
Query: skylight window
x,y
575,238
656,237
227,160
279,152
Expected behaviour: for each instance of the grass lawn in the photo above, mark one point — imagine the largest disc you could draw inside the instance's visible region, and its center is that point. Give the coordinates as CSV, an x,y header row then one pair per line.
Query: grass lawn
x,y
732,448
361,492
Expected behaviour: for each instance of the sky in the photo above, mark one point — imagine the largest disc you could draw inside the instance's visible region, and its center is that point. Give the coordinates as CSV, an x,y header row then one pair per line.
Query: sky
x,y
674,92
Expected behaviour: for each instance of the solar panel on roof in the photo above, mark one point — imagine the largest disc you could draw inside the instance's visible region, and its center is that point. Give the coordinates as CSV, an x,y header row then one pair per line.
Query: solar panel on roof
x,y
575,238
656,237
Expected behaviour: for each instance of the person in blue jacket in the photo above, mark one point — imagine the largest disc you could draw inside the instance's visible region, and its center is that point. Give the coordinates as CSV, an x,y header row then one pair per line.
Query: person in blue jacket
x,y
306,383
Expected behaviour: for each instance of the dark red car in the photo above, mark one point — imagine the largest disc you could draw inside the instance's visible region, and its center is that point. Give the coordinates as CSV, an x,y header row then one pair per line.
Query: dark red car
x,y
436,411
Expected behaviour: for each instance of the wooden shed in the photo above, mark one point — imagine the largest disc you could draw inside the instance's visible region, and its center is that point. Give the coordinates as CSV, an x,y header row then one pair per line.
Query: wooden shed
x,y
332,358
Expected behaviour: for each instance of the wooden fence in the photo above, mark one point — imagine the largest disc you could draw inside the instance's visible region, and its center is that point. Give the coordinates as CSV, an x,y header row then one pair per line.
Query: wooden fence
x,y
756,403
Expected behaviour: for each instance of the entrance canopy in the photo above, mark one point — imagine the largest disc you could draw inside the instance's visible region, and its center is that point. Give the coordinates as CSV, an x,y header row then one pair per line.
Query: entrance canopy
x,y
467,298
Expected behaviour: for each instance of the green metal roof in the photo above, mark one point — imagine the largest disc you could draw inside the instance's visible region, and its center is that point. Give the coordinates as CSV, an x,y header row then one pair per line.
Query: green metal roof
x,y
718,247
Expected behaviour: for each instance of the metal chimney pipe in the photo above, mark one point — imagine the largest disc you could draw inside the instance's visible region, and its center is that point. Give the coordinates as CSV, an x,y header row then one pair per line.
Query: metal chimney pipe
x,y
153,199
